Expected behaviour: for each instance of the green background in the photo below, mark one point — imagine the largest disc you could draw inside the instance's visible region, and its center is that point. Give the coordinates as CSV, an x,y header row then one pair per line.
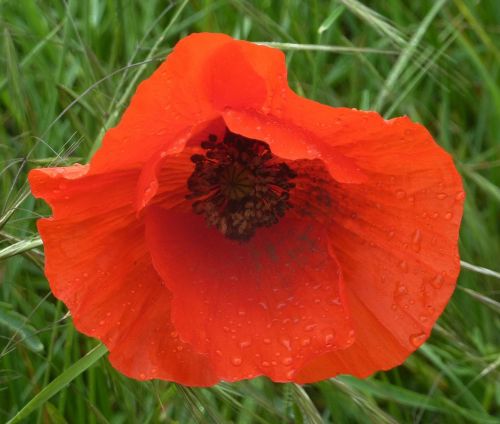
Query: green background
x,y
67,71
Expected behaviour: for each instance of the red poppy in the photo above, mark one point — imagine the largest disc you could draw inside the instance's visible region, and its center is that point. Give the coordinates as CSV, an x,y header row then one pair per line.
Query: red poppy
x,y
229,228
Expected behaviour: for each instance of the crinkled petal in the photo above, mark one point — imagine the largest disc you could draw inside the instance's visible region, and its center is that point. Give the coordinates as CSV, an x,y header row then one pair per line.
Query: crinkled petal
x,y
395,237
262,307
98,265
204,75
291,141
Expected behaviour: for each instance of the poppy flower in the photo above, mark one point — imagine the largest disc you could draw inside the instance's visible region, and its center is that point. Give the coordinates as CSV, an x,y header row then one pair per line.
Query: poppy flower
x,y
229,228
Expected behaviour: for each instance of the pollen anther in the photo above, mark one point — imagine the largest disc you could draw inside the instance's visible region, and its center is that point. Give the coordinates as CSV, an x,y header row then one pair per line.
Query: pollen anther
x,y
238,185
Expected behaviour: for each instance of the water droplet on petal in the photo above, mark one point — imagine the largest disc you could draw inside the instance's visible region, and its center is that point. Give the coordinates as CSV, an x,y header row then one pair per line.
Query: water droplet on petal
x,y
416,240
437,281
404,266
306,341
460,196
245,343
286,343
264,306
441,196
400,194
287,360
236,361
448,216
423,319
418,338
329,338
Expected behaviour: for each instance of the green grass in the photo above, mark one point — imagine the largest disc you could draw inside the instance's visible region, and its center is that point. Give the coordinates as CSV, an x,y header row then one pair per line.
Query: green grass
x,y
67,71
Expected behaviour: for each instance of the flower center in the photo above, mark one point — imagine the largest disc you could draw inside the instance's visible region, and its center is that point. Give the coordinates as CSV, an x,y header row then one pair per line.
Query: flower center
x,y
239,185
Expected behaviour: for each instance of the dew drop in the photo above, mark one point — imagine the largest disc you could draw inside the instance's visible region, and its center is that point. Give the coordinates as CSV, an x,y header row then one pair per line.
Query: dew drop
x,y
423,319
460,195
350,337
400,194
404,266
286,343
416,240
335,301
417,339
329,338
401,289
267,341
236,361
448,216
306,341
441,196
437,281
287,360
245,343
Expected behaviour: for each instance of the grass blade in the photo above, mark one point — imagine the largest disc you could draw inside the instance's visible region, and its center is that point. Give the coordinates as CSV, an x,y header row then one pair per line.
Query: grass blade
x,y
60,382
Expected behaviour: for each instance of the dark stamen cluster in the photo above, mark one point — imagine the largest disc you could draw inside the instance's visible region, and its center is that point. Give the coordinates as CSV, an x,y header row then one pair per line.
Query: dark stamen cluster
x,y
239,186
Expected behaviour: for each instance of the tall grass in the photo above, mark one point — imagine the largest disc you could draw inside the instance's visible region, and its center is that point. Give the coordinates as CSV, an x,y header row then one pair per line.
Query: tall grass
x,y
67,71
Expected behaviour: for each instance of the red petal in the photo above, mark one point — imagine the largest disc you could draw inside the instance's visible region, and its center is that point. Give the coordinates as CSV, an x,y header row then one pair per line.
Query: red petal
x,y
204,75
164,108
262,307
164,176
98,265
290,141
231,81
395,237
